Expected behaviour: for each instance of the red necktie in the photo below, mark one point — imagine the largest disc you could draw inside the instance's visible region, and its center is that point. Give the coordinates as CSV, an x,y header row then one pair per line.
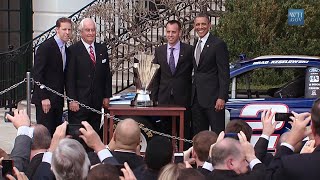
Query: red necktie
x,y
93,59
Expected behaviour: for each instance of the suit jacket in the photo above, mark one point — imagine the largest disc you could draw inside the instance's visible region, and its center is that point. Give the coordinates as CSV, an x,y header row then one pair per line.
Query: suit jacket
x,y
86,82
287,165
145,173
203,171
261,151
33,165
132,159
258,172
212,75
178,84
20,153
48,70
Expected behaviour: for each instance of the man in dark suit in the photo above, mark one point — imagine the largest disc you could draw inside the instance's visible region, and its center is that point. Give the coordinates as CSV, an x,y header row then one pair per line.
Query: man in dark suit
x,y
88,77
286,164
211,79
49,65
172,83
231,159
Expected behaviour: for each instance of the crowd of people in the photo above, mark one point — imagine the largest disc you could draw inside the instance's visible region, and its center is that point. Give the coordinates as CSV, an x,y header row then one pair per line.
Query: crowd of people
x,y
195,78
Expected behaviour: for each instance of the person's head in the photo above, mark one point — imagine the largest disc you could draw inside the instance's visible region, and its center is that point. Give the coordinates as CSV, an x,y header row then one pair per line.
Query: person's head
x,y
201,144
190,174
235,126
159,152
127,135
70,160
64,28
87,29
173,32
103,172
41,137
171,171
315,119
201,24
228,155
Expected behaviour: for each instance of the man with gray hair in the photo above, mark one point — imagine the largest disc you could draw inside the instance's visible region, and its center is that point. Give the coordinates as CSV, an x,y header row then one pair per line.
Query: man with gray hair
x,y
70,160
88,77
231,158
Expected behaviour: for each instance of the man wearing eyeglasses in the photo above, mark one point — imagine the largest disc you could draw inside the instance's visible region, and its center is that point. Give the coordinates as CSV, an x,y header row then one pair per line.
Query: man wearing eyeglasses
x,y
88,77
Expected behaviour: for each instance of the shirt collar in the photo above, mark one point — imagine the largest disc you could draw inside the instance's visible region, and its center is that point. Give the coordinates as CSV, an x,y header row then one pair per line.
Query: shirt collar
x,y
59,41
176,46
205,38
87,45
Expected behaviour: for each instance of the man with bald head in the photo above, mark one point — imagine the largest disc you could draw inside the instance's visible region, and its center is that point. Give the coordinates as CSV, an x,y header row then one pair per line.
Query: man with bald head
x,y
88,77
127,140
232,159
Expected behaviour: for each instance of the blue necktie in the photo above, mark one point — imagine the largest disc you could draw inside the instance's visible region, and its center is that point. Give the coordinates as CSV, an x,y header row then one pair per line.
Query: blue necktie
x,y
171,62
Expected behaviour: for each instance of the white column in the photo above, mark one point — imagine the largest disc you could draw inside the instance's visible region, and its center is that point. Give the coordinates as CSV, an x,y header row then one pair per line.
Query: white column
x,y
46,12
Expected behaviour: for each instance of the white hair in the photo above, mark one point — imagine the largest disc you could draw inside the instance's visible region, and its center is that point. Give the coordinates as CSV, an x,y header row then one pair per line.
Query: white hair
x,y
70,161
82,22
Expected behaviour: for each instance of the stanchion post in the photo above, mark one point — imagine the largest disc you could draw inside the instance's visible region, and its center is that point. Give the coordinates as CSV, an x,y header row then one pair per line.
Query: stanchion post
x,y
29,94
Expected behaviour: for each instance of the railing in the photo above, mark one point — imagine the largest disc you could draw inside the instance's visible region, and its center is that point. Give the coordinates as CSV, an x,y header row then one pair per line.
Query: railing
x,y
124,26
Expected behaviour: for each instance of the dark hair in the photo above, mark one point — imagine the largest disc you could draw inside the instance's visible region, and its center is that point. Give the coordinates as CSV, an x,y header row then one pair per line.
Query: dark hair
x,y
41,137
315,116
235,126
102,172
202,142
174,22
62,20
158,153
203,15
190,174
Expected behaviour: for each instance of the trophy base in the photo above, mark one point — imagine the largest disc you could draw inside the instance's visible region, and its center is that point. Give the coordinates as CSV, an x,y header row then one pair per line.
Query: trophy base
x,y
142,100
143,103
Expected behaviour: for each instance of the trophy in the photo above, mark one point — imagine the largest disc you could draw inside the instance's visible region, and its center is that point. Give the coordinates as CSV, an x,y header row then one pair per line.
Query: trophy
x,y
144,71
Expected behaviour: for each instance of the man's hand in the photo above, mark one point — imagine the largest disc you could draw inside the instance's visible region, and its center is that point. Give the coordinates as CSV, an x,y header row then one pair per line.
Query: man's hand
x,y
46,105
74,106
59,134
220,137
187,154
219,104
308,147
20,175
20,118
299,130
106,102
266,119
127,173
247,147
90,137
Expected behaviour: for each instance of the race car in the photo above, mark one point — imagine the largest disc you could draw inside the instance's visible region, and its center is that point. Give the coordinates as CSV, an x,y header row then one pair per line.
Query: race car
x,y
297,95
246,102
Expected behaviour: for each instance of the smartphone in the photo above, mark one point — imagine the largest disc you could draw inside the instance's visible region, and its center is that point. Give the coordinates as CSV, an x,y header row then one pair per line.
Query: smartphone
x,y
73,130
178,158
283,116
7,167
231,135
119,167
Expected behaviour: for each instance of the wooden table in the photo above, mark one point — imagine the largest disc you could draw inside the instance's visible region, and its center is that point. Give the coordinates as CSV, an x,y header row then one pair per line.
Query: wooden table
x,y
147,111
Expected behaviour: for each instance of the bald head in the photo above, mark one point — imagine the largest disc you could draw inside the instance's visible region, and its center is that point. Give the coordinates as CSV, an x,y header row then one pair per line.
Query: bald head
x,y
226,148
127,135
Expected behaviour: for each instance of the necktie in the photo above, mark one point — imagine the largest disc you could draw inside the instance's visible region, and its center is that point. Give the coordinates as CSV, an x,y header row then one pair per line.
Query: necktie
x,y
63,54
93,59
171,62
198,52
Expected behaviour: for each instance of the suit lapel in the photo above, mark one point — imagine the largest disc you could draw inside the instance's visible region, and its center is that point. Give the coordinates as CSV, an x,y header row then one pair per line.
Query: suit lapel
x,y
58,52
205,49
86,55
181,56
164,54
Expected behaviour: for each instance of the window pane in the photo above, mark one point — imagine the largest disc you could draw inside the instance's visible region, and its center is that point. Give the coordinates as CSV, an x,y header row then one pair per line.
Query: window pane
x,y
15,4
15,40
4,42
3,21
14,21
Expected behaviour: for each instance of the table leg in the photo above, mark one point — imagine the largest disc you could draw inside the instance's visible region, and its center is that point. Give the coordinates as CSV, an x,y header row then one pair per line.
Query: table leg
x,y
105,129
111,125
181,131
174,132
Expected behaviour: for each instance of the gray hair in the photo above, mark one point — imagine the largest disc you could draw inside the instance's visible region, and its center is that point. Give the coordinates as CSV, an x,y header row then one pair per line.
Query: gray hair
x,y
80,27
223,149
70,161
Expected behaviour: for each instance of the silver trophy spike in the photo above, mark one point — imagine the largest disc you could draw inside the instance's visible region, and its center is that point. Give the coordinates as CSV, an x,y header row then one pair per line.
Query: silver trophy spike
x,y
145,72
